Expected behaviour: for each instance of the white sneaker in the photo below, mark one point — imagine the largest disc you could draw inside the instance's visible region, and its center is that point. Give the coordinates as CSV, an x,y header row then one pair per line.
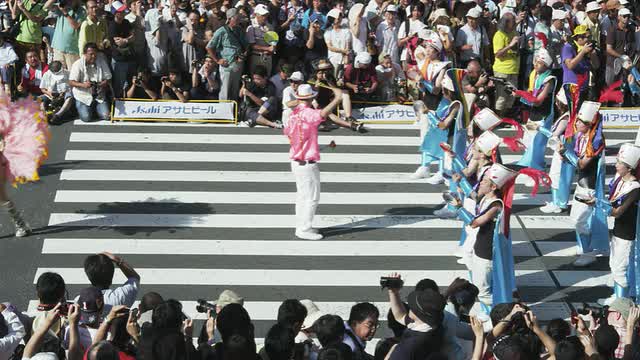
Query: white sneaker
x,y
551,208
436,179
243,124
421,173
445,213
584,260
315,231
308,235
607,301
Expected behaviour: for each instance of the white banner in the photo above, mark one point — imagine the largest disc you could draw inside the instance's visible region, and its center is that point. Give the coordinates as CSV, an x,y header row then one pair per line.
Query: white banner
x,y
132,109
384,113
621,117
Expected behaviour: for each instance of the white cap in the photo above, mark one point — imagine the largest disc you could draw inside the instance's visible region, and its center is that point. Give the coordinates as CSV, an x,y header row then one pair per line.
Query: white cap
x,y
588,111
363,58
334,13
562,97
500,174
558,15
305,91
433,40
447,83
624,12
486,119
296,76
543,55
474,12
392,8
593,6
487,142
261,9
313,313
629,154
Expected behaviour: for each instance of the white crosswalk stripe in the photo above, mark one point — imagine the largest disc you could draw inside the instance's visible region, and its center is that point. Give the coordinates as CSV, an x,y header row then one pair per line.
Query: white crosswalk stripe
x,y
198,208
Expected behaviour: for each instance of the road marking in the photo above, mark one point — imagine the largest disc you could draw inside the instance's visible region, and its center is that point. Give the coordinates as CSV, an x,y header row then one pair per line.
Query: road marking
x,y
262,247
277,277
221,197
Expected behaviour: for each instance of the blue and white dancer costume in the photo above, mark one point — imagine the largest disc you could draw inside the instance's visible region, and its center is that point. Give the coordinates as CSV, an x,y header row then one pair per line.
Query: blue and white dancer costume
x,y
541,111
492,267
624,193
560,172
432,71
588,157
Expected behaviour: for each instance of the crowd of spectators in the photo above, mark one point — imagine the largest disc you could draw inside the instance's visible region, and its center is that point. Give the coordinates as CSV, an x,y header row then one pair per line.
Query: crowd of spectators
x,y
256,51
101,322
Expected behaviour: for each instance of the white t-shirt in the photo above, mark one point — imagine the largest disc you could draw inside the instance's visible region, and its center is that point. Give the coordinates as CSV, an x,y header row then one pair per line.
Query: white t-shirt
x,y
340,39
360,42
287,95
58,83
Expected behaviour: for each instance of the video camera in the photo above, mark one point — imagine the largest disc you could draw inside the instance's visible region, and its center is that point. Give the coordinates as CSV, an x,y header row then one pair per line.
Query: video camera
x,y
203,307
503,82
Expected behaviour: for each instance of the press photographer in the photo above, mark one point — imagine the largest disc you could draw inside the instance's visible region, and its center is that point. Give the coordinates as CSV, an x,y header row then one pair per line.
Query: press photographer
x,y
173,87
140,87
478,82
90,79
620,41
361,78
259,101
56,98
204,80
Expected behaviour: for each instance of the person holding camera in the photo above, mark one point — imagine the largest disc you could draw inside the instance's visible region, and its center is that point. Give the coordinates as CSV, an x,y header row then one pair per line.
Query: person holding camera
x,y
71,14
173,87
259,100
476,81
56,93
204,81
90,80
507,61
29,14
228,49
140,87
620,41
361,78
576,63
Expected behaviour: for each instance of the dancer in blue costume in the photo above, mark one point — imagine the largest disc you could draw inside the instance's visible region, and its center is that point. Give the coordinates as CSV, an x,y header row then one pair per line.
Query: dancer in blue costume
x,y
587,155
560,172
622,204
541,110
432,71
492,266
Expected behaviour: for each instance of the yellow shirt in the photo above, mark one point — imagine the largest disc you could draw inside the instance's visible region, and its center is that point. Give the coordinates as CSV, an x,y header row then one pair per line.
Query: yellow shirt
x,y
510,63
94,32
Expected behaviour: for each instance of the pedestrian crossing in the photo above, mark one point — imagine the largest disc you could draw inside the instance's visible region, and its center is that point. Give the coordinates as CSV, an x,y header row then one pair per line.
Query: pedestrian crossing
x,y
199,208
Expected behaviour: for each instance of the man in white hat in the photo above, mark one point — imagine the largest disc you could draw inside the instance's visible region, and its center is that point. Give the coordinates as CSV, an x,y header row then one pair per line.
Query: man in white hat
x,y
558,32
619,42
302,130
361,77
585,156
260,53
472,39
623,198
592,20
387,34
289,100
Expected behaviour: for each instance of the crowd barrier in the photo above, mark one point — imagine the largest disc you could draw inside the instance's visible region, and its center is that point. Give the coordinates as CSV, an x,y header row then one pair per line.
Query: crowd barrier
x,y
213,111
621,118
381,112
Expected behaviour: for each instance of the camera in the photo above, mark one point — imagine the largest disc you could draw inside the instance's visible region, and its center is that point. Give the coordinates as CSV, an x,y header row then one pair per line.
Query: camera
x,y
597,312
64,308
94,89
204,306
391,282
246,80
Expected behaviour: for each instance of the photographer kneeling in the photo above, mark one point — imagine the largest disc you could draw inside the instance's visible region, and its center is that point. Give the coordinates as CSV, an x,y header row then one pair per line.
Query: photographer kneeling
x,y
204,80
89,77
140,88
56,95
173,88
259,101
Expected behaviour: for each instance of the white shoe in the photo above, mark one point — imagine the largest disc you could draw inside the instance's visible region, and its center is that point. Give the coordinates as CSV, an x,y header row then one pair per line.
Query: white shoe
x,y
445,213
308,235
551,208
421,173
243,124
584,260
607,301
436,179
315,231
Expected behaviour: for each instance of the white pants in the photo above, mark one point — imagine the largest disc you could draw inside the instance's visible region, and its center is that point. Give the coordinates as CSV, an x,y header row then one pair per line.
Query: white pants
x,y
555,169
285,116
481,275
581,212
470,240
619,260
308,193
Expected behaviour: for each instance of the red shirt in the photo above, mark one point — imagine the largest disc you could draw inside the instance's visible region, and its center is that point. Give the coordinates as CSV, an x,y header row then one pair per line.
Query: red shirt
x,y
365,77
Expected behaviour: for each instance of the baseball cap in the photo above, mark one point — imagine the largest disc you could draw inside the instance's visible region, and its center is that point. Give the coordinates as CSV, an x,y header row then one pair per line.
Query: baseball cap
x,y
231,13
622,305
474,12
428,305
313,313
296,76
558,15
334,13
90,302
392,8
624,12
261,9
229,297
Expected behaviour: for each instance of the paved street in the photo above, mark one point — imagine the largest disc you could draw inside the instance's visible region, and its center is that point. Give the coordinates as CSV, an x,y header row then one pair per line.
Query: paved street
x,y
200,208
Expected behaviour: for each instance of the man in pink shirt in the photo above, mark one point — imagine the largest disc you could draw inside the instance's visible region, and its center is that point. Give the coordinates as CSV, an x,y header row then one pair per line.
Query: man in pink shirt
x,y
302,130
